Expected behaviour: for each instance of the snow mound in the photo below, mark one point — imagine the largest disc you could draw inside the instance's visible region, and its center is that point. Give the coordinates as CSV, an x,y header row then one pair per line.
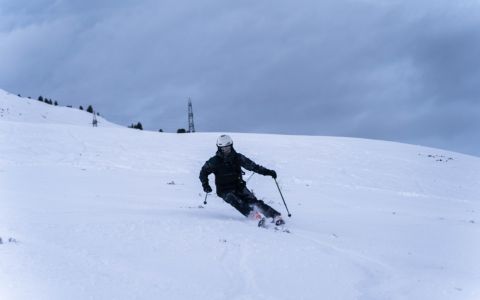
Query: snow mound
x,y
18,109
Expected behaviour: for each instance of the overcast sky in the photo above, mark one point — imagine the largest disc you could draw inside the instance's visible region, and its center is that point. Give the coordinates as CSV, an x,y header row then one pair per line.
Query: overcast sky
x,y
406,71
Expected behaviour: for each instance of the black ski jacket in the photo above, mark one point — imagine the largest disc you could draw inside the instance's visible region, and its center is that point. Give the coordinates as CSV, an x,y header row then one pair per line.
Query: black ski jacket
x,y
228,171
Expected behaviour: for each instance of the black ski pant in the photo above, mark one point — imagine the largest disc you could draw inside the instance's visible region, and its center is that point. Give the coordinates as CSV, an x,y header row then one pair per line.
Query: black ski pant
x,y
245,201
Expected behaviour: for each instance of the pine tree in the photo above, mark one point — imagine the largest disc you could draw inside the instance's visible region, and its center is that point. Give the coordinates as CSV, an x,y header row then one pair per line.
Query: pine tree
x,y
90,109
56,103
181,130
160,130
136,126
81,107
40,98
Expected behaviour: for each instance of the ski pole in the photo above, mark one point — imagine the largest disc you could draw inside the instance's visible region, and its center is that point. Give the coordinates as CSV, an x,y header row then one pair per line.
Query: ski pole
x,y
205,201
248,179
289,214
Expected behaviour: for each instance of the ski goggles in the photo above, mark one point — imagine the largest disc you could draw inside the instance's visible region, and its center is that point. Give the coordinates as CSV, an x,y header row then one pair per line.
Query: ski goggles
x,y
226,149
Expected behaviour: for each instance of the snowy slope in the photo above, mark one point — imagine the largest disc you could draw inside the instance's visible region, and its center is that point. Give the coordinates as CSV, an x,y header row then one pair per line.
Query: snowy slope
x,y
116,213
14,108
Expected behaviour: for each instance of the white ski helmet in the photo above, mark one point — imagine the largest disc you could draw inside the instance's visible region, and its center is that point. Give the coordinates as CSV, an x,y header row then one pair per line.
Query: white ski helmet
x,y
224,140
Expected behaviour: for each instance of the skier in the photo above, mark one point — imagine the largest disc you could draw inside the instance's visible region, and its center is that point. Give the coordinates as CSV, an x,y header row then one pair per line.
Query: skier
x,y
227,166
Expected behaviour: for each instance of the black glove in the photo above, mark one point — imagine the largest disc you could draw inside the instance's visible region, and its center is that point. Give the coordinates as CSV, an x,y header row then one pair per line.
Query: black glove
x,y
272,173
206,188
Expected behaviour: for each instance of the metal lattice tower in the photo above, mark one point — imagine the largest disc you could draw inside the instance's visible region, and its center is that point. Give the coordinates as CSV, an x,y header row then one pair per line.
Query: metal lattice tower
x,y
94,121
191,126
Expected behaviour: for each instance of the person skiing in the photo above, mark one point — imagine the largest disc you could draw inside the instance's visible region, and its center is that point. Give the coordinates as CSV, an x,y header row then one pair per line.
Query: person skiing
x,y
227,166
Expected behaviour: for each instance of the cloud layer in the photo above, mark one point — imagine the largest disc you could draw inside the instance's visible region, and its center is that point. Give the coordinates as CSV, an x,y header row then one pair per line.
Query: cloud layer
x,y
403,70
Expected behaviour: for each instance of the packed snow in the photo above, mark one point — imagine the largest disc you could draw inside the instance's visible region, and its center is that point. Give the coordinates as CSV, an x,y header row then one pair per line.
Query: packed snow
x,y
117,213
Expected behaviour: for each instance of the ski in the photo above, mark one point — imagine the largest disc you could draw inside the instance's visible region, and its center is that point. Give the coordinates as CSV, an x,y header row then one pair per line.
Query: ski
x,y
262,223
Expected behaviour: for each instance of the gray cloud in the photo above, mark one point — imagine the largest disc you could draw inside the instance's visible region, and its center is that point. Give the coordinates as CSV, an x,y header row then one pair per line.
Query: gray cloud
x,y
402,70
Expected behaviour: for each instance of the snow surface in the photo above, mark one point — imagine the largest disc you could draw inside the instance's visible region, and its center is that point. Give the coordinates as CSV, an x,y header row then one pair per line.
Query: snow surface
x,y
117,213
14,108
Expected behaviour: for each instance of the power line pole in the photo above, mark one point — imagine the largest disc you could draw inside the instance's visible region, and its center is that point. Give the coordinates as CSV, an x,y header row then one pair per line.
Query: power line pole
x,y
191,126
94,121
